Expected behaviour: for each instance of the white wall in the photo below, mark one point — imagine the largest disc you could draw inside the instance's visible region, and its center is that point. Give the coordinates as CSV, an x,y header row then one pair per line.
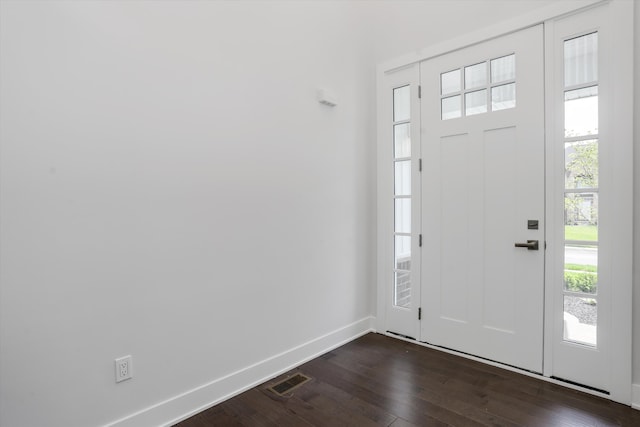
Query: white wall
x,y
403,27
171,189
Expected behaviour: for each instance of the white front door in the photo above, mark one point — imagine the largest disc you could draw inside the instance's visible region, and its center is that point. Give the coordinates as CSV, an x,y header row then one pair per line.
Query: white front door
x,y
483,200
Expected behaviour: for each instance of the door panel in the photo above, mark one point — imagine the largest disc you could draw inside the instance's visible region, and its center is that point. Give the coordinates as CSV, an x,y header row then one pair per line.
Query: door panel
x,y
483,179
454,186
500,160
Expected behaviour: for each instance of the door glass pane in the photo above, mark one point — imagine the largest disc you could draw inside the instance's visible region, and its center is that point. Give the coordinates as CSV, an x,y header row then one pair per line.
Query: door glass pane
x,y
503,69
403,253
401,103
450,82
403,215
503,97
580,320
402,140
581,216
581,164
402,294
581,60
475,76
403,178
451,107
581,269
581,112
475,102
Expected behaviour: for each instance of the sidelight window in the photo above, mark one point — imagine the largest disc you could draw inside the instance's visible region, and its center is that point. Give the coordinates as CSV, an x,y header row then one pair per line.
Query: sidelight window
x,y
581,141
402,196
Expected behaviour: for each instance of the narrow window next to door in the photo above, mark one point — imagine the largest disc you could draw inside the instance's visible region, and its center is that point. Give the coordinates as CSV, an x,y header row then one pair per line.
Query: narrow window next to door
x,y
581,142
402,196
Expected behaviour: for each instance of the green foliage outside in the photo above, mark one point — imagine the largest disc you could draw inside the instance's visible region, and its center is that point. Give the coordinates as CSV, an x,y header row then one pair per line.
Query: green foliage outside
x,y
581,278
581,267
581,172
581,232
582,166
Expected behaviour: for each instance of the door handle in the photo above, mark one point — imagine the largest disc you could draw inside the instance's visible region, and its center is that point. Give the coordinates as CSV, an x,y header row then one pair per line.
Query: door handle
x,y
531,245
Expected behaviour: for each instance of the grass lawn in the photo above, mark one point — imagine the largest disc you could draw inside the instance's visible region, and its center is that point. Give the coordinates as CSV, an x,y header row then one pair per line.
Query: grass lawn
x,y
580,267
581,232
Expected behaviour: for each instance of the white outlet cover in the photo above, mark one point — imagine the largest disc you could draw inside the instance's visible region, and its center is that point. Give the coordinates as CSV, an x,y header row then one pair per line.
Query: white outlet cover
x,y
124,368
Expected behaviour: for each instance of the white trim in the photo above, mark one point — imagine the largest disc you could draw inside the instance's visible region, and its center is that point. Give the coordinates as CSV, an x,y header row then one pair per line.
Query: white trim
x,y
534,17
621,17
383,187
189,403
635,400
551,228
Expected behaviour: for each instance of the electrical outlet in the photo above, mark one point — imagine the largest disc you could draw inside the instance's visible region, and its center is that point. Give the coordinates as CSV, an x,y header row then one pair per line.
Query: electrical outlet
x,y
124,368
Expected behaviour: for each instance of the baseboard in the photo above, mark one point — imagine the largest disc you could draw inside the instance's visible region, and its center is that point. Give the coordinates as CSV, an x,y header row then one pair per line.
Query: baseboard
x,y
635,396
184,405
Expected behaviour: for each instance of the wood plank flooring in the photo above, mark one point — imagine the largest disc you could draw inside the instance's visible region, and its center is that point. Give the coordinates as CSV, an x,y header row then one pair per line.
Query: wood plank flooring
x,y
381,381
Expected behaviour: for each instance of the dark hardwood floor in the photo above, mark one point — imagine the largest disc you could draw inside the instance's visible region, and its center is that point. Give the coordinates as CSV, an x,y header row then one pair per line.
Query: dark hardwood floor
x,y
380,381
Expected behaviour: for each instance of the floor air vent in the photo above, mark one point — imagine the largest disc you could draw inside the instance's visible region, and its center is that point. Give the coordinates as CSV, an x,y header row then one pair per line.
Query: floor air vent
x,y
285,386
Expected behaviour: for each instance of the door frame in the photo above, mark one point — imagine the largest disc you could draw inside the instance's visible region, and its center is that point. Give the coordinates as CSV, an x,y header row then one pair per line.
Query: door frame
x,y
620,12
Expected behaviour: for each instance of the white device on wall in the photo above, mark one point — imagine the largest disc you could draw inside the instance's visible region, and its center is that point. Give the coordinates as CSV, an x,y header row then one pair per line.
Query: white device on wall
x,y
326,97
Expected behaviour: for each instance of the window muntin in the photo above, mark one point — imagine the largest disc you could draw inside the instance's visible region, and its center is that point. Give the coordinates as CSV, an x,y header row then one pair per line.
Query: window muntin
x,y
478,88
